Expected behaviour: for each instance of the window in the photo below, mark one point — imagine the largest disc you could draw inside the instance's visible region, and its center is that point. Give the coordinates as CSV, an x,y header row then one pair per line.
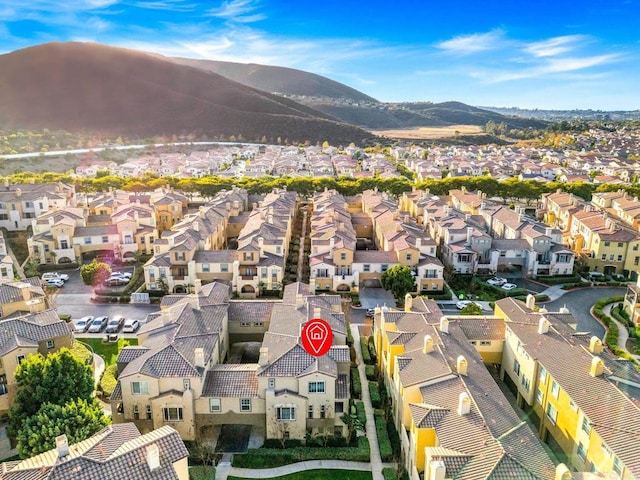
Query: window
x,y
310,412
172,414
28,205
635,247
149,416
139,388
87,240
619,258
343,256
516,367
617,466
272,383
136,412
543,374
286,413
605,449
552,413
339,407
323,411
180,256
278,250
555,389
63,245
525,382
606,244
485,343
50,344
263,272
604,256
573,405
3,385
20,358
384,267
366,267
163,273
205,267
619,244
316,387
539,396
214,405
245,404
186,383
409,257
4,216
224,267
582,452
586,426
105,239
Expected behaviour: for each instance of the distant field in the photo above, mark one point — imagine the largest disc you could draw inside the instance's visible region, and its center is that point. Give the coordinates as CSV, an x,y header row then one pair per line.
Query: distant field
x,y
427,133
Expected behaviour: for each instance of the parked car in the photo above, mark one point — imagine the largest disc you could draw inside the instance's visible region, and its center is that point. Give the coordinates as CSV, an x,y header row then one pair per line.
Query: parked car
x,y
83,324
122,274
131,325
98,324
463,303
370,312
497,281
55,275
54,282
116,281
509,286
115,324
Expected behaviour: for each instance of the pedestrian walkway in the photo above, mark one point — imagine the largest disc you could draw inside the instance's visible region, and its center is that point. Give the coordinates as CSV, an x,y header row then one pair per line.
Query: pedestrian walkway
x,y
301,246
623,333
16,264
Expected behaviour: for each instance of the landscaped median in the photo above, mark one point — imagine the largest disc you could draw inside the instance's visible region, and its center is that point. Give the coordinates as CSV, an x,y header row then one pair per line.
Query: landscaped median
x,y
320,475
611,337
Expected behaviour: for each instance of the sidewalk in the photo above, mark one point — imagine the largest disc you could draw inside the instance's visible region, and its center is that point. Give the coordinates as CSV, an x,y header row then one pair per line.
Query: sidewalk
x,y
623,333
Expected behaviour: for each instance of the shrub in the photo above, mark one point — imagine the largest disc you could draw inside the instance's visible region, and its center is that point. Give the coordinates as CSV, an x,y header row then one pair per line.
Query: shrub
x,y
372,372
64,316
361,414
366,357
108,380
389,473
349,336
352,355
558,279
372,349
386,452
356,386
395,438
374,392
270,457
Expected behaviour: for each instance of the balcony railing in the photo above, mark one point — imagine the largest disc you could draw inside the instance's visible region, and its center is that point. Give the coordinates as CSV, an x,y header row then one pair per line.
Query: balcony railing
x,y
248,277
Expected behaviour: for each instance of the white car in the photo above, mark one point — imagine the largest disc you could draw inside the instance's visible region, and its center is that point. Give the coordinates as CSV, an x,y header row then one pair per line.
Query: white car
x,y
497,281
55,276
509,286
83,324
131,325
53,282
122,274
463,303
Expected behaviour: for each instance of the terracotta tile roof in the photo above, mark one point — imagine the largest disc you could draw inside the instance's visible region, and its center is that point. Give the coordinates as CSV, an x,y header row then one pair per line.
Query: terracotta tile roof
x,y
235,381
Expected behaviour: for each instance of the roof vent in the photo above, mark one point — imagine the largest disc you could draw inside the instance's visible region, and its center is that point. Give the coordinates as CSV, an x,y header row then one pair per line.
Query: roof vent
x,y
564,309
543,326
428,344
531,302
444,325
153,457
408,302
437,470
595,345
264,356
597,367
198,357
461,365
62,445
464,404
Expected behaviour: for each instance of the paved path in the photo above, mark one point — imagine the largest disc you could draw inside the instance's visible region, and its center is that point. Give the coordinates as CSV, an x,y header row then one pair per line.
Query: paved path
x,y
623,332
301,251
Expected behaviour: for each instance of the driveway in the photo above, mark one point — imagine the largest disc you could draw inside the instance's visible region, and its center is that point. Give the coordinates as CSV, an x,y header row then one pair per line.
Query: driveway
x,y
376,297
579,303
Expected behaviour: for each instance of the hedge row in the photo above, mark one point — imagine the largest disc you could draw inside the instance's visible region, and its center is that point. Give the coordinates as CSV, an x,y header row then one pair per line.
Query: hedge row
x,y
558,279
356,386
366,357
349,336
611,338
361,414
372,372
386,452
374,393
270,457
372,350
389,473
395,439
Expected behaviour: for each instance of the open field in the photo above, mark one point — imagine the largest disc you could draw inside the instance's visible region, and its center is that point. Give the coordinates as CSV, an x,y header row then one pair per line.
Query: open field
x,y
428,133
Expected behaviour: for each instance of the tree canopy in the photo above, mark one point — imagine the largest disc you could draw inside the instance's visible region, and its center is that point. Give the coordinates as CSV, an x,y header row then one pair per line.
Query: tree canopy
x,y
95,273
471,309
399,280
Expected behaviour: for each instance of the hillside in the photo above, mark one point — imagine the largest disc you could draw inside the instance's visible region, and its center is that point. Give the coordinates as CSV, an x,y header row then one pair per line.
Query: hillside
x,y
282,80
99,89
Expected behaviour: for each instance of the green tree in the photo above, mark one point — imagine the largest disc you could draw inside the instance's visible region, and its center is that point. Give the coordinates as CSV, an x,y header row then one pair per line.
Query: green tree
x,y
95,273
77,419
471,309
399,280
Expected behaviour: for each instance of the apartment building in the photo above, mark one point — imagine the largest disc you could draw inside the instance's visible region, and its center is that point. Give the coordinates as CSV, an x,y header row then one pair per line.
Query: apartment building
x,y
178,375
452,417
22,296
581,398
117,451
6,262
192,248
558,208
73,235
21,203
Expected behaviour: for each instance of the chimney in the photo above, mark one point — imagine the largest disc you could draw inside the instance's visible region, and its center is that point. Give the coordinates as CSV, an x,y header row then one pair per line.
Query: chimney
x,y
418,243
197,286
51,221
195,226
62,446
548,231
461,365
198,355
483,205
428,344
18,192
408,302
469,235
543,326
201,211
260,245
153,457
562,473
464,404
316,312
406,219
597,367
264,356
595,345
270,218
531,302
444,325
437,470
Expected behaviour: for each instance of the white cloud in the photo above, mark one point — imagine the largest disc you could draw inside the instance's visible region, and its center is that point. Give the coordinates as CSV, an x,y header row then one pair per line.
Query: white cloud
x,y
170,5
474,43
240,11
555,46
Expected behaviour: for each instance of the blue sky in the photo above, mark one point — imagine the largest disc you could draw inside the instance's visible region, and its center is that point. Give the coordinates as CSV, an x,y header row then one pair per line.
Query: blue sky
x,y
532,54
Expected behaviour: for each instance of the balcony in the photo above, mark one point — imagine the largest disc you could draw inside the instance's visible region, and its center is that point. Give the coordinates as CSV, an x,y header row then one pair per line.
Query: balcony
x,y
248,277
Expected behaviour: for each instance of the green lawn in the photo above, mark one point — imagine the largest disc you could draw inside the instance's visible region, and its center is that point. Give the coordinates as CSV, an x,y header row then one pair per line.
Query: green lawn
x,y
321,475
202,472
108,351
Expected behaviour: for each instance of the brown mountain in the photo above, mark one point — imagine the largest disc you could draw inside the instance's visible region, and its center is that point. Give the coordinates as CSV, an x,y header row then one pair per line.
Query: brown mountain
x,y
287,81
101,89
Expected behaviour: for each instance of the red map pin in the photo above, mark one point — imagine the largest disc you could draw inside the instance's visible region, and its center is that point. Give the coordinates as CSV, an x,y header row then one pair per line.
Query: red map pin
x,y
317,337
